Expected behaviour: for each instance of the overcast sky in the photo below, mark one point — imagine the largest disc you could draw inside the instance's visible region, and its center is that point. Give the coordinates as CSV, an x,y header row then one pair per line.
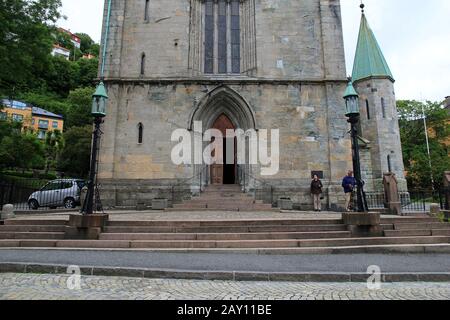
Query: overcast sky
x,y
413,34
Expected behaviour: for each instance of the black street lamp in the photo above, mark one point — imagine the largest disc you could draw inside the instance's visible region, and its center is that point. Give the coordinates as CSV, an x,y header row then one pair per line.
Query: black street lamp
x,y
352,112
99,100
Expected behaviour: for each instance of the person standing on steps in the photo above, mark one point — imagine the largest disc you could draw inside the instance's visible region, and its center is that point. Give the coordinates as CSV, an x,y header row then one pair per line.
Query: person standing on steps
x,y
316,192
349,184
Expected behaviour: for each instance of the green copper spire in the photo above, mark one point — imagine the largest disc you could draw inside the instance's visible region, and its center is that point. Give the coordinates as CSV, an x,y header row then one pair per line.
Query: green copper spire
x,y
369,59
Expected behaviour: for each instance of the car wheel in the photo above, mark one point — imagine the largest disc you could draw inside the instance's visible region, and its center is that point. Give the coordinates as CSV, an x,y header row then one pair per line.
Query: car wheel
x,y
69,203
33,204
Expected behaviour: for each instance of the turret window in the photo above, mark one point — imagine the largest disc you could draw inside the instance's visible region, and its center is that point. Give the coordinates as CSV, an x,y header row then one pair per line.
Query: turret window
x,y
383,108
368,109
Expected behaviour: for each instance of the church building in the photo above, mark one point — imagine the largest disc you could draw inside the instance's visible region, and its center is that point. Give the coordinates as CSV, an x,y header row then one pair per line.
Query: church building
x,y
252,65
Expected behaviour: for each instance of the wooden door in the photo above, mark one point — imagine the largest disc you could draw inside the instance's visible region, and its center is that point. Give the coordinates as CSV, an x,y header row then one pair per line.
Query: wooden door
x,y
217,170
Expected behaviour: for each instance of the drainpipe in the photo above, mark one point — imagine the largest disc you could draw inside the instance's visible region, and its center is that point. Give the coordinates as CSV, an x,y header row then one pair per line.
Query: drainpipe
x,y
105,40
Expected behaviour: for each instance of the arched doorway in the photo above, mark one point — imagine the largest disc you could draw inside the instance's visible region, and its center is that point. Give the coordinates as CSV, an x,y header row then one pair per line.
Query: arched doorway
x,y
225,173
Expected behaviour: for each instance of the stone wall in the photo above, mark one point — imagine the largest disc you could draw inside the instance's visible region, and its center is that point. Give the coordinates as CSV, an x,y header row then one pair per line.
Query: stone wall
x,y
382,129
296,84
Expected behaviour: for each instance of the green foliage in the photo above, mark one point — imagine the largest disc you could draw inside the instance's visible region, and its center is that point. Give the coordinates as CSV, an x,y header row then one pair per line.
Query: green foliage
x,y
54,144
18,148
75,156
79,111
415,153
25,42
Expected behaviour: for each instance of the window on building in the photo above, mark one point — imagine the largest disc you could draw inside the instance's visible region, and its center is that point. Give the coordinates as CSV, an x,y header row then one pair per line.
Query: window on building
x,y
142,71
41,134
146,10
383,108
368,109
222,37
140,133
55,124
17,117
43,124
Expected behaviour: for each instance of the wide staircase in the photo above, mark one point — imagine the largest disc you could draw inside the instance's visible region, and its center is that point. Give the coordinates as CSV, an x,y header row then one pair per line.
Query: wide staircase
x,y
224,198
271,236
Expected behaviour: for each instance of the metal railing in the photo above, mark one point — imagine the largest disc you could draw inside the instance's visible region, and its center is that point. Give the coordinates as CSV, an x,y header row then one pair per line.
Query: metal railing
x,y
412,200
201,179
245,178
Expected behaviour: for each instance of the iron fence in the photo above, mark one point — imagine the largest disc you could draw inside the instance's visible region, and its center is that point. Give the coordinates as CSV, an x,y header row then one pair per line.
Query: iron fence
x,y
411,201
34,194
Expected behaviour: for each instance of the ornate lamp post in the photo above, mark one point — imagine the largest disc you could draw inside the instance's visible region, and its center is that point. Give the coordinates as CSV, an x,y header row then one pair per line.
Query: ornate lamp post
x,y
99,100
352,112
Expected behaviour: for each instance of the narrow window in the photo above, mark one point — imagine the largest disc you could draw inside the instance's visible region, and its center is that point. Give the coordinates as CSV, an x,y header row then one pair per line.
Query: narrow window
x,y
235,37
146,16
389,163
368,109
222,36
383,108
140,133
142,72
209,36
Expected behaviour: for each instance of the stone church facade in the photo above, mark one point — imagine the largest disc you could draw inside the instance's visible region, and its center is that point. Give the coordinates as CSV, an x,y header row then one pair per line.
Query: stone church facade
x,y
258,64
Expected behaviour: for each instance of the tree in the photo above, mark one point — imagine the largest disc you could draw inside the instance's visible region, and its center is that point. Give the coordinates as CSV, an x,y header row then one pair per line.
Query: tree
x,y
415,153
54,144
25,42
79,112
86,42
87,72
19,149
75,156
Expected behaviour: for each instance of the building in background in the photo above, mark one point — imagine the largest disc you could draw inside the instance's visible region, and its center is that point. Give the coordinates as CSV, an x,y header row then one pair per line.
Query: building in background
x,y
447,103
59,51
33,118
76,41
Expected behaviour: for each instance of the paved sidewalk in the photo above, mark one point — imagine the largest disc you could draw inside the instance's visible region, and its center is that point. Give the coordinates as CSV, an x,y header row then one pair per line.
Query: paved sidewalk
x,y
54,287
348,263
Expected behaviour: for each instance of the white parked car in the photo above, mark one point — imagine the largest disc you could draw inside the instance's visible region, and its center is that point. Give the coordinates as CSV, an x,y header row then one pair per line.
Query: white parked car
x,y
57,193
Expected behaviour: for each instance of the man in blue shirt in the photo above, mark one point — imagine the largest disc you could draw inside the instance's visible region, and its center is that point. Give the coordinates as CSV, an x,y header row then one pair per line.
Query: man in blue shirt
x,y
349,184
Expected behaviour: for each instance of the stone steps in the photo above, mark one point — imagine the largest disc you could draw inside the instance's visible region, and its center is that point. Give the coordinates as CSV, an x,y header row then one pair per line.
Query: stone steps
x,y
229,244
34,222
225,236
226,229
418,233
32,235
416,226
222,223
223,198
31,228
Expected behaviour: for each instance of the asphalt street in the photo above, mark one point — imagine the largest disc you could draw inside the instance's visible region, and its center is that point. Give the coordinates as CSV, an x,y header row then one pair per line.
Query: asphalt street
x,y
232,262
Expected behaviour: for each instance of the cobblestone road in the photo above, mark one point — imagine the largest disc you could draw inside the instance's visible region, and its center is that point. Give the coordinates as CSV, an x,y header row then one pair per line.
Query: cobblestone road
x,y
55,287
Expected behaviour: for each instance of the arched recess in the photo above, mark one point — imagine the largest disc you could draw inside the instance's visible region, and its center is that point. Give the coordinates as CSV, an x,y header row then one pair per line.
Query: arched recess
x,y
223,100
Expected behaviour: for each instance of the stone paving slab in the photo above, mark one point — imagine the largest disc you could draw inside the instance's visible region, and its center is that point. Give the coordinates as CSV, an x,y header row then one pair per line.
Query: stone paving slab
x,y
15,286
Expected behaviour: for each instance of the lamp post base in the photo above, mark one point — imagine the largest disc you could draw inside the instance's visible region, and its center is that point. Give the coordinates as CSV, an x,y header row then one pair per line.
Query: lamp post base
x,y
363,224
86,227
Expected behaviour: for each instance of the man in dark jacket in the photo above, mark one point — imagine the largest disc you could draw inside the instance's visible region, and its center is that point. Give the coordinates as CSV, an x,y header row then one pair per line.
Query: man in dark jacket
x,y
349,184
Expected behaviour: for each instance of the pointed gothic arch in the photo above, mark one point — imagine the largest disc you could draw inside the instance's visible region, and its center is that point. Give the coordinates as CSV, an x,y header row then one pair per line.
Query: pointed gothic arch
x,y
223,100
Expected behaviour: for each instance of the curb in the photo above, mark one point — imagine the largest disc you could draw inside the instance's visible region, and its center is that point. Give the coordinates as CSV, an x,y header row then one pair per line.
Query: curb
x,y
222,275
